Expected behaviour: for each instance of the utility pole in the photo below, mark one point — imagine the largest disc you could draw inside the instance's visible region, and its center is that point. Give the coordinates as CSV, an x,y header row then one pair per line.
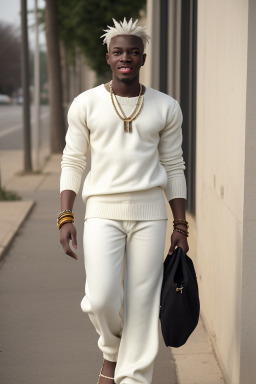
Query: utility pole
x,y
37,92
25,88
57,120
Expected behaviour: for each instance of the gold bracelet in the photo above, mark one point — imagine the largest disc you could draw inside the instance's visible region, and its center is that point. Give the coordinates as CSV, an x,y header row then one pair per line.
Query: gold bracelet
x,y
65,221
65,210
66,216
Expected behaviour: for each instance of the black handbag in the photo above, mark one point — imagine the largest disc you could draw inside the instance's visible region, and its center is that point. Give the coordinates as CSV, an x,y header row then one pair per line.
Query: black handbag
x,y
179,301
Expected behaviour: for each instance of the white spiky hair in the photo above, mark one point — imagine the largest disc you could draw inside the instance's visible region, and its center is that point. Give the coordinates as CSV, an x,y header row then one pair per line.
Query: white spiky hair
x,y
124,28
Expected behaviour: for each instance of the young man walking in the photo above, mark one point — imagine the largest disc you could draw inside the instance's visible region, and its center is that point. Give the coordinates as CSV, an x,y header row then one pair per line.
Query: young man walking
x,y
134,133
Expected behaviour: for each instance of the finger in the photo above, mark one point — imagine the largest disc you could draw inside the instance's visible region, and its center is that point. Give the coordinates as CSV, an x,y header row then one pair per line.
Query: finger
x,y
172,247
67,250
70,253
184,247
74,241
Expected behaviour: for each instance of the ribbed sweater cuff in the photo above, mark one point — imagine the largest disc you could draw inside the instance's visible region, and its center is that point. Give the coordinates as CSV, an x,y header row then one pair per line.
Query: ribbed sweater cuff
x,y
176,189
70,181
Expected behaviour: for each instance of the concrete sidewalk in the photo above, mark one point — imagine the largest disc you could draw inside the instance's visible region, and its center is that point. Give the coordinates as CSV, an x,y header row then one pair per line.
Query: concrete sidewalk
x,y
13,213
44,335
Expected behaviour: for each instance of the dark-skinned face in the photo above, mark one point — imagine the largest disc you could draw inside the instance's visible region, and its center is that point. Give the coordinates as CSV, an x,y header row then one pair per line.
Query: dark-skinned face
x,y
126,57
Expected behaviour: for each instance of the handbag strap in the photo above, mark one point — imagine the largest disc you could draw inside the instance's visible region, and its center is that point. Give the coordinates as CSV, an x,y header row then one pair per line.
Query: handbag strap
x,y
173,267
179,258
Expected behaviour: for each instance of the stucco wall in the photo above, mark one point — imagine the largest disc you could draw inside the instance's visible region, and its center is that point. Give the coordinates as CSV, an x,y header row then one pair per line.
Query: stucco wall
x,y
220,163
248,322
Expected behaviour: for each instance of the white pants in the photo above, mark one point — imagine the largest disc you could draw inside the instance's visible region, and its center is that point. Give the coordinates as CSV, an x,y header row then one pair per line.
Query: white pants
x,y
122,293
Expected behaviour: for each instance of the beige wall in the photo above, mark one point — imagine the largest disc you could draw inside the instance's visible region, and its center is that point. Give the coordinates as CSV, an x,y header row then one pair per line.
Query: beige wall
x,y
149,74
221,181
248,317
222,233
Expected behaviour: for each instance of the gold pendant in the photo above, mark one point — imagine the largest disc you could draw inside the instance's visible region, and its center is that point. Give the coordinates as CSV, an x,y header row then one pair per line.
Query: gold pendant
x,y
128,126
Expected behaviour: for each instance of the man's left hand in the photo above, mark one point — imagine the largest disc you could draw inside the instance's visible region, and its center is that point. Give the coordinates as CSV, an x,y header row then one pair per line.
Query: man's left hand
x,y
178,240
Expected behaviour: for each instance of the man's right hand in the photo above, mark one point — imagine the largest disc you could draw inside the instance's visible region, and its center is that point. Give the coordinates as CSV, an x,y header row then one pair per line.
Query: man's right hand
x,y
67,233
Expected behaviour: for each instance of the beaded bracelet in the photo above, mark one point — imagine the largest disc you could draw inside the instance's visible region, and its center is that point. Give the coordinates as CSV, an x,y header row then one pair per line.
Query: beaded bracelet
x,y
186,233
180,221
183,222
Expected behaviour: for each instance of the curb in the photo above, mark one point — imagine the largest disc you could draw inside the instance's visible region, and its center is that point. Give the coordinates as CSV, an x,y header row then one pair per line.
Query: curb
x,y
13,213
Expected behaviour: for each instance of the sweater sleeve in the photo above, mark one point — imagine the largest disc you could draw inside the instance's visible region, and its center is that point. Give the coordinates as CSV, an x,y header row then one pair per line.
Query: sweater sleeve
x,y
170,155
74,154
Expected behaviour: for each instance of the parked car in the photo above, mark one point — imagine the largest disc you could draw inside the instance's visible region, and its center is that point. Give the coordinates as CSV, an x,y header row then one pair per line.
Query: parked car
x,y
20,100
5,99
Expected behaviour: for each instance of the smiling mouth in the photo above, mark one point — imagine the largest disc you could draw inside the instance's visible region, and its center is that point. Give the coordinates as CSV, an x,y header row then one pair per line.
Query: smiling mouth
x,y
125,69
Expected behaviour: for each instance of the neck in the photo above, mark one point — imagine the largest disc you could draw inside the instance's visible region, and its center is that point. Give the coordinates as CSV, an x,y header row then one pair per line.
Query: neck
x,y
126,89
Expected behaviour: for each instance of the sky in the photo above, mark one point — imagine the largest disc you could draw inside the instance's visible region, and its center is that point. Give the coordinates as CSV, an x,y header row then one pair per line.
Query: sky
x,y
10,13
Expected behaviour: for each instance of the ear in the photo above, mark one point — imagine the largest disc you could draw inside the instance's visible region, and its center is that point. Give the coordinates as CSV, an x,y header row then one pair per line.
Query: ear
x,y
107,58
143,59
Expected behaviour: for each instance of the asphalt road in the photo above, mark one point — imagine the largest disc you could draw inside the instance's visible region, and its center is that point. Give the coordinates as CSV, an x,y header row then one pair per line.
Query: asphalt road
x,y
11,126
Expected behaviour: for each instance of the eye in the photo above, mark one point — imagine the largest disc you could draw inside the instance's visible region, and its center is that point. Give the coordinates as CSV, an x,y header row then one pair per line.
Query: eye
x,y
135,53
116,52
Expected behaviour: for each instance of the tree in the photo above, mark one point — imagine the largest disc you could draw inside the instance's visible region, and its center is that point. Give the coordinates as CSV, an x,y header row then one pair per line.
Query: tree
x,y
92,17
25,88
81,24
10,59
57,121
78,25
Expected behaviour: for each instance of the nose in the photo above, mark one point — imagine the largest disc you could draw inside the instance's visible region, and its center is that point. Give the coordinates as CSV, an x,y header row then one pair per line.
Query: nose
x,y
125,57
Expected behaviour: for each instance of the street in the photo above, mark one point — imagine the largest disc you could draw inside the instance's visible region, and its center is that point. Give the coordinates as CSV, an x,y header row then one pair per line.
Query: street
x,y
11,134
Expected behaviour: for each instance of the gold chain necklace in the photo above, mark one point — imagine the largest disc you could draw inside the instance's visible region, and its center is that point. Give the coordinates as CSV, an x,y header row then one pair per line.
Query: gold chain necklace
x,y
136,107
127,120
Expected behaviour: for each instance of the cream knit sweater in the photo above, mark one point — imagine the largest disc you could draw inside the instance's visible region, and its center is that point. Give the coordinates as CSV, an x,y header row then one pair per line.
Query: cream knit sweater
x,y
129,171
